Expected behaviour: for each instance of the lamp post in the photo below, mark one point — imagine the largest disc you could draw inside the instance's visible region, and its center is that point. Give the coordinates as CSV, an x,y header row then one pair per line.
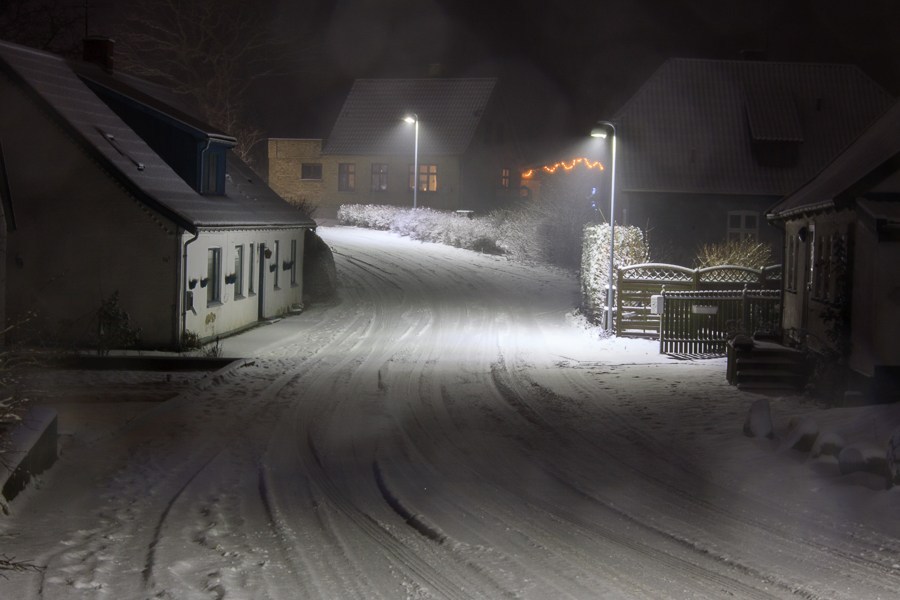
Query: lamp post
x,y
602,130
413,119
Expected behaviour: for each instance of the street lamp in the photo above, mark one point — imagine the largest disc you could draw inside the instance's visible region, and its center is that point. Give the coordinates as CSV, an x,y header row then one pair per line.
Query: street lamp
x,y
602,130
413,119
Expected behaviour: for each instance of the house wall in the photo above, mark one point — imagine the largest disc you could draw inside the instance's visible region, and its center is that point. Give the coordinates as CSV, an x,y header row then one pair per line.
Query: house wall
x,y
796,265
811,276
285,159
876,303
470,182
236,309
678,224
79,236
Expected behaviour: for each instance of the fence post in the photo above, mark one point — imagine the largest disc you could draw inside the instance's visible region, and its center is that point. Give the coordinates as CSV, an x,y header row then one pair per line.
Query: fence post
x,y
696,279
745,310
662,319
617,300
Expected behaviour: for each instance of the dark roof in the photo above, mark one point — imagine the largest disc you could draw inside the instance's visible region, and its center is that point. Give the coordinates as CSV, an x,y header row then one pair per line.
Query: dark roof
x,y
694,126
869,165
247,202
149,94
371,120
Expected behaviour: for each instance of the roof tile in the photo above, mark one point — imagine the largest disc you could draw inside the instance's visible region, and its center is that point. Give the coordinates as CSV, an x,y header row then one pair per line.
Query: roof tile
x,y
449,111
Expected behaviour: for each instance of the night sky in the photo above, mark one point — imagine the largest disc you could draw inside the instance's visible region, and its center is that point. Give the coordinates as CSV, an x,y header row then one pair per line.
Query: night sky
x,y
566,64
563,65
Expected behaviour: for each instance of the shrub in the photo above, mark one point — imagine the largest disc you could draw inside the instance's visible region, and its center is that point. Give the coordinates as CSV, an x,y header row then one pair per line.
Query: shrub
x,y
744,252
548,230
631,248
114,328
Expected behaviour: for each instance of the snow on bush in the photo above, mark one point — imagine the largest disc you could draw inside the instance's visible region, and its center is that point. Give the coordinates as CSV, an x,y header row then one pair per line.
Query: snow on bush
x,y
631,248
511,233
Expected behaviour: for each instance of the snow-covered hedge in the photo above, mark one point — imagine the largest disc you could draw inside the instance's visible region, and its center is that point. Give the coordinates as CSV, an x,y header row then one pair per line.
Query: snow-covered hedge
x,y
509,233
631,248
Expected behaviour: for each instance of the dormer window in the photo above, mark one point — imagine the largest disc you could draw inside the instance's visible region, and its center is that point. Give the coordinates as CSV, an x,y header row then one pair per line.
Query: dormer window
x,y
213,170
776,131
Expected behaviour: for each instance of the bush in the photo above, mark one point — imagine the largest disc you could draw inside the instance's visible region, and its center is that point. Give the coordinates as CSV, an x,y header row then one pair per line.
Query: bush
x,y
547,230
631,248
744,252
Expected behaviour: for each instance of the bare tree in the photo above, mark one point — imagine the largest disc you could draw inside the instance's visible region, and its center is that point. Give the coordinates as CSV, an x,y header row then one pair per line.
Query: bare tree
x,y
209,51
52,25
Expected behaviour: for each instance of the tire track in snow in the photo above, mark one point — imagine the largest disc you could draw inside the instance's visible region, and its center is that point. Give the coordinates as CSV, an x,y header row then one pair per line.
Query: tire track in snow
x,y
680,486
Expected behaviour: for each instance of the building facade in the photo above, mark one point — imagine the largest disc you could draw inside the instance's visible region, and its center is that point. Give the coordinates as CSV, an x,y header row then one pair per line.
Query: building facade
x,y
171,223
466,156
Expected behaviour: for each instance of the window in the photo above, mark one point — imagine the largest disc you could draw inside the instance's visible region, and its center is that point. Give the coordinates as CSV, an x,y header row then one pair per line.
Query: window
x,y
238,271
790,275
379,177
276,264
293,262
504,178
743,224
311,171
428,178
251,284
347,177
214,172
213,274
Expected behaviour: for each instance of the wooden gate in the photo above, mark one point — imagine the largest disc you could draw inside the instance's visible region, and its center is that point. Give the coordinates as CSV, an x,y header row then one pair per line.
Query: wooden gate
x,y
636,284
700,323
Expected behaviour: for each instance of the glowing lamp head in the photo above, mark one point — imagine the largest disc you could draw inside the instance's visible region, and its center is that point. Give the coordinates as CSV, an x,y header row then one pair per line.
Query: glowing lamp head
x,y
409,119
603,129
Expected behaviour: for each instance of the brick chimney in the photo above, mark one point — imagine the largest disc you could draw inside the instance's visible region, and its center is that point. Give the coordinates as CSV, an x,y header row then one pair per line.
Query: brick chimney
x,y
99,50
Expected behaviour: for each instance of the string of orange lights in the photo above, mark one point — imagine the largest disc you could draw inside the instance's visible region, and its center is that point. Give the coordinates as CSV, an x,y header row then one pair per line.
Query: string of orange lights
x,y
565,166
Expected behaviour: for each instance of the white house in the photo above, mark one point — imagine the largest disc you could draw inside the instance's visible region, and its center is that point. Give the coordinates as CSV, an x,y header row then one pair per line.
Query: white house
x,y
107,190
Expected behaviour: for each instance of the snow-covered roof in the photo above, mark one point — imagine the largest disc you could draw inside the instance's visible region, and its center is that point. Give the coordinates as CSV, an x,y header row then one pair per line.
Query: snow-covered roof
x,y
869,165
698,126
248,202
371,120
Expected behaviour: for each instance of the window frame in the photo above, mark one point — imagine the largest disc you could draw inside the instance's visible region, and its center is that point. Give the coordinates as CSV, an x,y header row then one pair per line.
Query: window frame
x,y
213,276
275,256
505,177
428,177
251,272
346,177
380,173
742,231
293,262
239,271
315,167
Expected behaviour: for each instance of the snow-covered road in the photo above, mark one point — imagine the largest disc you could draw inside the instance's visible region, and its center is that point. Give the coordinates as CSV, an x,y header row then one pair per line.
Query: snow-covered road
x,y
445,431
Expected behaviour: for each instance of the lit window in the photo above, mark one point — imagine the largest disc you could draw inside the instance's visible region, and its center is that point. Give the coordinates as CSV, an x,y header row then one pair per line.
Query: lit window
x,y
311,171
504,178
428,178
379,177
347,177
238,271
213,274
743,224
